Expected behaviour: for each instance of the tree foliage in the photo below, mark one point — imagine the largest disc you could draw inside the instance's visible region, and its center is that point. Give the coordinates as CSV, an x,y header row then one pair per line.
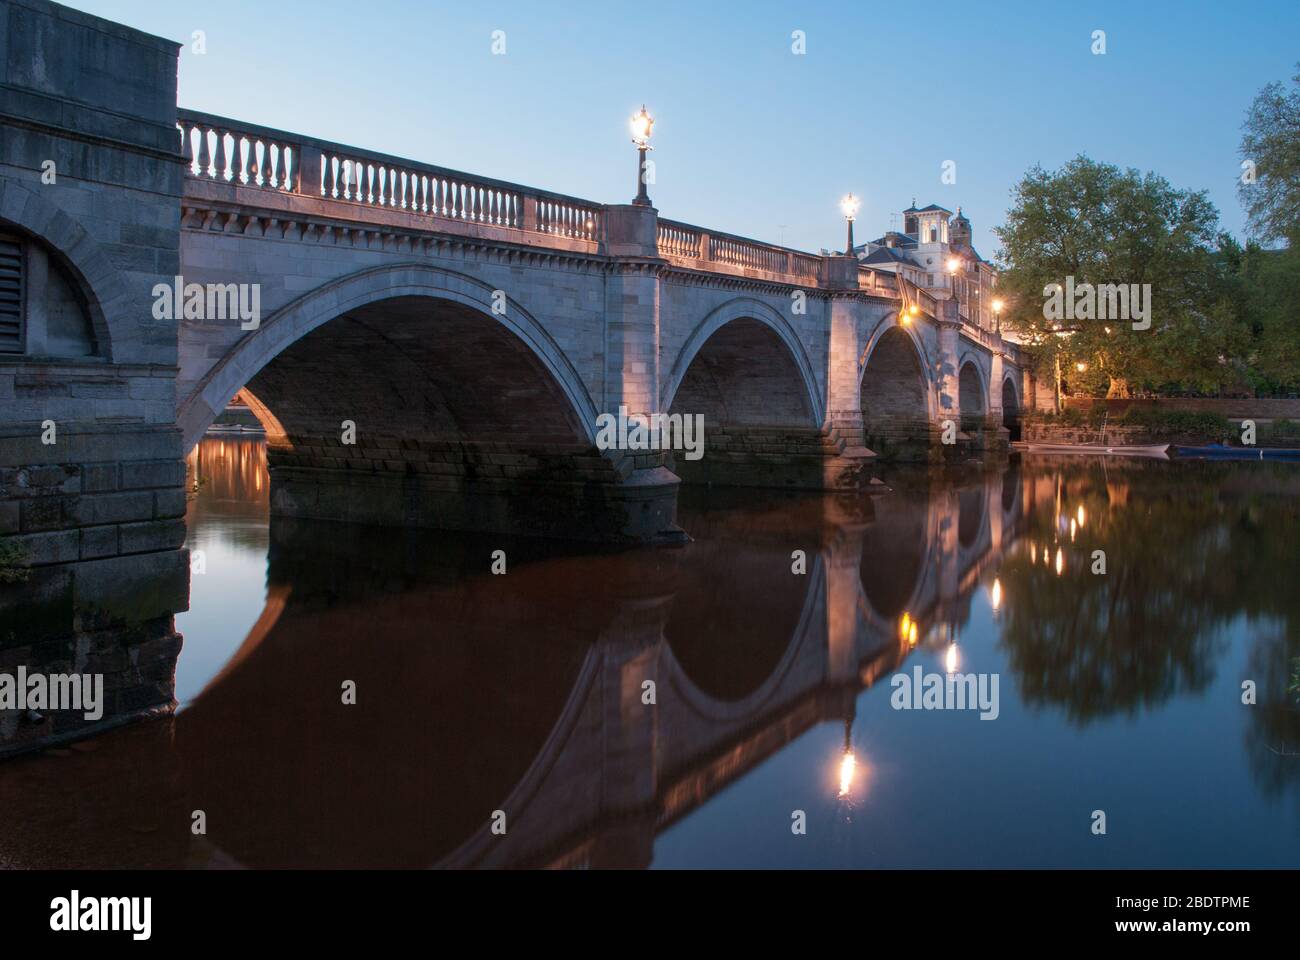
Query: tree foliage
x,y
1270,151
1093,223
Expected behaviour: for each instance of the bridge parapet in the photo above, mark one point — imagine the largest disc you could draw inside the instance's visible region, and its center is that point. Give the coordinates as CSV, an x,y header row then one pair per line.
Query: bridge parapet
x,y
227,151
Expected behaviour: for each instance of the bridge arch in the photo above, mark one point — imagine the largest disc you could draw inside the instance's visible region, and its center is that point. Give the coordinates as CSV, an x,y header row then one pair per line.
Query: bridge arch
x,y
894,389
1011,406
714,340
367,289
84,263
972,390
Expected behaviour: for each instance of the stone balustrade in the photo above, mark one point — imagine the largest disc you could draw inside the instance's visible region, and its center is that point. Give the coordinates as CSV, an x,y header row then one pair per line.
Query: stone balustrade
x,y
222,150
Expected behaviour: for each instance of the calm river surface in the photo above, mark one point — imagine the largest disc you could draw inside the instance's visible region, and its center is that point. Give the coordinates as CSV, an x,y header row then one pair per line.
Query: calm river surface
x,y
519,699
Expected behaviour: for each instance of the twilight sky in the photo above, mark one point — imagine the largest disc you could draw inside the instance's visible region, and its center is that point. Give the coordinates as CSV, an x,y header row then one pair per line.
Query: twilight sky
x,y
750,138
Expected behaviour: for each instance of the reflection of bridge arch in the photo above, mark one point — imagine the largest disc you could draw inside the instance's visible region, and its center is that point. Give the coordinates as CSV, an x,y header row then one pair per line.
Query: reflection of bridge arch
x,y
446,296
891,589
699,698
972,515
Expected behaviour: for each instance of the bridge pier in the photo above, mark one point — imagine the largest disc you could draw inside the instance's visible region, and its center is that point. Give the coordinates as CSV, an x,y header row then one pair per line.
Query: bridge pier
x,y
92,497
578,495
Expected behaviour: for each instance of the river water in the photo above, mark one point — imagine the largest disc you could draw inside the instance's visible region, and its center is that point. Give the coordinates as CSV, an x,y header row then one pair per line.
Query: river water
x,y
732,703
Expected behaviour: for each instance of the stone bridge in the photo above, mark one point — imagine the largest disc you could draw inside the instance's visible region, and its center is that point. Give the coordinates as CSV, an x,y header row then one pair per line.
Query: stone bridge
x,y
585,772
424,346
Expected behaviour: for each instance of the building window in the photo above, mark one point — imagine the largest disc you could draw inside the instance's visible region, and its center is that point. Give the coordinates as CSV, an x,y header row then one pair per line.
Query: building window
x,y
12,311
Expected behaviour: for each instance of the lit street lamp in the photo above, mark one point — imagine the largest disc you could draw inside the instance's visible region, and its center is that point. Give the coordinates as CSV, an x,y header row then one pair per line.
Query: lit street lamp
x,y
953,266
849,207
642,123
997,314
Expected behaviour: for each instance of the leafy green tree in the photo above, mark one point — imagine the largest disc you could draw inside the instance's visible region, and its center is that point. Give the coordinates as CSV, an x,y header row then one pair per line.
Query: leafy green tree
x,y
1270,150
1100,225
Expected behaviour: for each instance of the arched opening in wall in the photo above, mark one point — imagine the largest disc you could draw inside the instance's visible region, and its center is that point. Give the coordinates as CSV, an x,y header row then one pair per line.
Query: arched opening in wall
x,y
895,414
746,389
425,412
970,396
44,309
970,516
1010,409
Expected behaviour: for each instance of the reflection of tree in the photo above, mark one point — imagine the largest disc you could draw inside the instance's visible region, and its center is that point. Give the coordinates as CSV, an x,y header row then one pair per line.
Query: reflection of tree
x,y
1185,556
1273,737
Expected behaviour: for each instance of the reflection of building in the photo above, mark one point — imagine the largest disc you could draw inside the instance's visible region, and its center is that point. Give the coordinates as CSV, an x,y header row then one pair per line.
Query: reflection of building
x,y
930,239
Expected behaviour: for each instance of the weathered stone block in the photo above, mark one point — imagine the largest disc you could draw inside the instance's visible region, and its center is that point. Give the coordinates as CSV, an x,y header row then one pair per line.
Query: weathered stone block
x,y
155,535
110,508
156,473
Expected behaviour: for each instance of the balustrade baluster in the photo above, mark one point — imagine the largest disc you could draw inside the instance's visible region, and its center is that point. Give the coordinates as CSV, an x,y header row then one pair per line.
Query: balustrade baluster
x,y
277,168
219,156
250,163
205,157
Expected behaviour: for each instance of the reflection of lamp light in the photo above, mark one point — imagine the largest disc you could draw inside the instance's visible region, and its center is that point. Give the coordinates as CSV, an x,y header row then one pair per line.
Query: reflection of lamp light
x,y
848,766
950,658
848,762
1081,516
1060,562
995,597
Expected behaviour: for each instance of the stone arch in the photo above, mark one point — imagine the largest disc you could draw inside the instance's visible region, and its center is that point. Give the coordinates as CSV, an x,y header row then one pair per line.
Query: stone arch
x,y
83,260
366,288
894,391
972,391
751,314
1011,406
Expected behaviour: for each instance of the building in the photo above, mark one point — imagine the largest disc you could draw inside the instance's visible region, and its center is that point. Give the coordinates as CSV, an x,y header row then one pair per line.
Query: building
x,y
932,241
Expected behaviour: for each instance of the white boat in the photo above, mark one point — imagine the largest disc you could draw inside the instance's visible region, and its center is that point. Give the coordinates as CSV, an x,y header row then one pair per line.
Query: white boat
x,y
1157,451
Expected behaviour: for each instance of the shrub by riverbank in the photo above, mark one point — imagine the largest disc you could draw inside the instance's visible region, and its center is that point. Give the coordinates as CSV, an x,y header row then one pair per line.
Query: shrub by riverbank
x,y
1138,425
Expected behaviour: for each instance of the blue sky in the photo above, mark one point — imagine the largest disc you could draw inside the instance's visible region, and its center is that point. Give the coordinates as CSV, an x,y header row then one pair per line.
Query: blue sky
x,y
750,138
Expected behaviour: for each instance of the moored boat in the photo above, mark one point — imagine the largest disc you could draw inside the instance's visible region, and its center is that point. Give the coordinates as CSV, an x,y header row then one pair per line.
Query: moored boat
x,y
1158,451
1217,451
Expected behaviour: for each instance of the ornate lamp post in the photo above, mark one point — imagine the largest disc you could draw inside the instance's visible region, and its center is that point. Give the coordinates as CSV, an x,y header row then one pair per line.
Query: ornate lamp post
x,y
953,265
849,207
642,124
997,315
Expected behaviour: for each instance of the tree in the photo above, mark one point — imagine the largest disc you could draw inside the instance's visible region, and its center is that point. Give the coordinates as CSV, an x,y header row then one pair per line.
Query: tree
x,y
1270,192
1270,151
1093,223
